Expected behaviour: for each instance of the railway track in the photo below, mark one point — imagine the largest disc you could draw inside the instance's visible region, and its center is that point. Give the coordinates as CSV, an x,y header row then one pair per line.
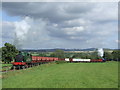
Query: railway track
x,y
9,68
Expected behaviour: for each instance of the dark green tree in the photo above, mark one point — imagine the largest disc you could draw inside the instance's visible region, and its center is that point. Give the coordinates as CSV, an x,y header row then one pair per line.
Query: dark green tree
x,y
116,55
108,56
9,51
0,54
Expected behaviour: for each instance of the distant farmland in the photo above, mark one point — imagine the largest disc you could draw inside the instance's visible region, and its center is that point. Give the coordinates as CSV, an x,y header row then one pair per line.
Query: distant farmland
x,y
86,51
66,75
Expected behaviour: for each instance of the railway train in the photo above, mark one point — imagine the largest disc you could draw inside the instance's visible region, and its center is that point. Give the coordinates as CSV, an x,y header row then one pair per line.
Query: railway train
x,y
25,60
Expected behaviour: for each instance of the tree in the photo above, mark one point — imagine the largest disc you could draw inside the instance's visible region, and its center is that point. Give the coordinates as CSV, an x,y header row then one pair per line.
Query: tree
x,y
9,51
116,55
42,54
0,54
94,55
58,53
108,56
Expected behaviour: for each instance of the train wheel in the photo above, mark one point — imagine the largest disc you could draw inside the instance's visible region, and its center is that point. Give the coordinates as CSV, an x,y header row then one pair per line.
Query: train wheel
x,y
23,67
26,66
19,67
13,67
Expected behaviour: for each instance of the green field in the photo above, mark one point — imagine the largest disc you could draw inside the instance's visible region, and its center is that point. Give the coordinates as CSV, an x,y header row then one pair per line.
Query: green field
x,y
66,75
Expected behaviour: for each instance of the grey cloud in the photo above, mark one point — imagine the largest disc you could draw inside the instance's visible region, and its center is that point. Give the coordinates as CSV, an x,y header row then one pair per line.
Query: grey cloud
x,y
7,32
54,12
55,24
79,8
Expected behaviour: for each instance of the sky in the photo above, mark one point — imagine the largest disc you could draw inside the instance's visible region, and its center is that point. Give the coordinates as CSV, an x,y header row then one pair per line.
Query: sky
x,y
38,25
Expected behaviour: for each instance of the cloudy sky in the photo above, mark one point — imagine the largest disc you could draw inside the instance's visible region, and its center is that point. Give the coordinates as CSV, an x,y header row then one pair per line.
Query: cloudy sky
x,y
60,25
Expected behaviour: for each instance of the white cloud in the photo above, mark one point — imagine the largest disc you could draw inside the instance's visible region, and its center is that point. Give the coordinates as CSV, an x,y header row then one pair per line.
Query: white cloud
x,y
73,30
117,41
65,25
22,27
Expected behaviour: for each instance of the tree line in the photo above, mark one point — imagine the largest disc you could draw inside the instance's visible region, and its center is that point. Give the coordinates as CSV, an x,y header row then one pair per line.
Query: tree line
x,y
114,55
9,51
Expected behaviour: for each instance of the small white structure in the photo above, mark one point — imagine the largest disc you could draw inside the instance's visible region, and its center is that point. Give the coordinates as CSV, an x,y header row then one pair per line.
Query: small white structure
x,y
66,59
82,60
86,60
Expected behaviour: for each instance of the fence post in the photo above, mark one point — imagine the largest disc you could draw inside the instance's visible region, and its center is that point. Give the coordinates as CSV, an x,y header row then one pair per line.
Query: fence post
x,y
14,68
6,69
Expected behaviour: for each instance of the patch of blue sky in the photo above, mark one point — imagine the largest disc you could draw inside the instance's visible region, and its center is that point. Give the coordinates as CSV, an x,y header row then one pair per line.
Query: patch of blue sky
x,y
6,17
107,21
8,41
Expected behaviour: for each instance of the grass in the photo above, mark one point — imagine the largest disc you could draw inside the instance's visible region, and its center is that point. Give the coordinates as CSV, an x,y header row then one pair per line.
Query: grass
x,y
66,75
5,65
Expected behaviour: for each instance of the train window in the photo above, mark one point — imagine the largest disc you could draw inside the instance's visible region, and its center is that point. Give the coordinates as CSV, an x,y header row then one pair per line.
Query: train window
x,y
19,58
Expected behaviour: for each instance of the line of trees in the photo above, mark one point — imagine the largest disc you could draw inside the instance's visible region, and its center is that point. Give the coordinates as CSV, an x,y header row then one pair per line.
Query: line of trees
x,y
62,54
115,55
9,51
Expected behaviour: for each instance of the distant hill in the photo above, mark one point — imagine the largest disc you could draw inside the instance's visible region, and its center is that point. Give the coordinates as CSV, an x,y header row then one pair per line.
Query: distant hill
x,y
52,50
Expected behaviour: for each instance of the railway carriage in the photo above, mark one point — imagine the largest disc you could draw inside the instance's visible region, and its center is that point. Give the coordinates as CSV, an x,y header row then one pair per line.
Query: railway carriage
x,y
83,60
25,60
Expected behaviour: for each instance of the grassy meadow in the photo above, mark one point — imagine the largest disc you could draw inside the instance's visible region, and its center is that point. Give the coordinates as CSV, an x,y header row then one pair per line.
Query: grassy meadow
x,y
65,75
